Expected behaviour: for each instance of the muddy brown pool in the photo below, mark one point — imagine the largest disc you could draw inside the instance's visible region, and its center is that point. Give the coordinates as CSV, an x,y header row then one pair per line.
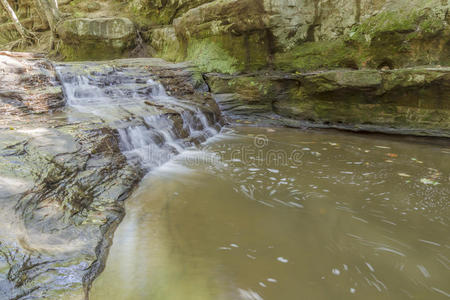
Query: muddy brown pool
x,y
270,213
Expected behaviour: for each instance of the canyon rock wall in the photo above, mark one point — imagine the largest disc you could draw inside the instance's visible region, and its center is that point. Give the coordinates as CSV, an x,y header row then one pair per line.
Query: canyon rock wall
x,y
299,35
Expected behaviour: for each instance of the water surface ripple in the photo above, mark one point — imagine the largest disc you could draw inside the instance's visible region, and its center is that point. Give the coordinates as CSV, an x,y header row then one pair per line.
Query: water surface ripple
x,y
274,213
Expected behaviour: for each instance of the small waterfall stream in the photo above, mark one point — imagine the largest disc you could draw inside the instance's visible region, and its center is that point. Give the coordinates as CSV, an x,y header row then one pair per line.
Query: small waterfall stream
x,y
275,225
152,125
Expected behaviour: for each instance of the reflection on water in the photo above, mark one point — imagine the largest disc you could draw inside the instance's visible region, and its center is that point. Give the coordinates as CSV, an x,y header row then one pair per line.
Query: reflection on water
x,y
348,216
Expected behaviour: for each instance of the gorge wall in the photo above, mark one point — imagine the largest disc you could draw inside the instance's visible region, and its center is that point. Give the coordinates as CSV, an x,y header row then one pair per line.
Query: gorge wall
x,y
289,38
297,35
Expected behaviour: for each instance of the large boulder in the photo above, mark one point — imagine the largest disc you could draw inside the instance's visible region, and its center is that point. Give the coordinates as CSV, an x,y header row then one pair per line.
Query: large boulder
x,y
226,35
96,39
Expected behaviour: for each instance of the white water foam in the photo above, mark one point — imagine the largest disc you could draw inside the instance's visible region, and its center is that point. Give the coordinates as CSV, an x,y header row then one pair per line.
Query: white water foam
x,y
116,96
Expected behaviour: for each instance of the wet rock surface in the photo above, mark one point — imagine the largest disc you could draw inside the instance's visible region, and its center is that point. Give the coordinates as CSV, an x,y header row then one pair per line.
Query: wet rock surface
x,y
28,84
60,191
63,175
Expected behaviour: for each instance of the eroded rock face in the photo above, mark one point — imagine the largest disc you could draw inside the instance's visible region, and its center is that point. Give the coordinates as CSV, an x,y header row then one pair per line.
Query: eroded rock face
x,y
385,35
96,39
408,101
64,175
165,43
226,35
299,35
60,186
231,36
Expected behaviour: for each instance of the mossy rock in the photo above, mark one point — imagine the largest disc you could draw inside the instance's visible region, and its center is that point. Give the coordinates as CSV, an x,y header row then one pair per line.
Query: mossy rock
x,y
229,53
96,39
390,39
90,6
402,38
225,36
404,98
165,44
311,56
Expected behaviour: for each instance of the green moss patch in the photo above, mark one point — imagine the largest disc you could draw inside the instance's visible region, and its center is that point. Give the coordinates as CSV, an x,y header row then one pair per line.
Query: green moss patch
x,y
391,39
401,39
318,55
229,53
91,51
211,57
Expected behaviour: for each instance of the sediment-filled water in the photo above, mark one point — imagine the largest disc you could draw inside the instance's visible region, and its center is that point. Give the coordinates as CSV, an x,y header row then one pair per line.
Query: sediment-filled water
x,y
271,213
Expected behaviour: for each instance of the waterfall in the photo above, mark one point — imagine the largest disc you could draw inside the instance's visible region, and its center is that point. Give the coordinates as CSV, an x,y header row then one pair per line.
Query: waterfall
x,y
152,125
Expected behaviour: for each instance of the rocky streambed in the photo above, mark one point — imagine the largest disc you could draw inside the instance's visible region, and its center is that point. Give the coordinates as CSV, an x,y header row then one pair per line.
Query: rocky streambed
x,y
76,138
68,162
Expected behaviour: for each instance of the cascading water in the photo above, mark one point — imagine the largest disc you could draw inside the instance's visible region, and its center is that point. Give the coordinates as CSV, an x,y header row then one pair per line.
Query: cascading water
x,y
153,126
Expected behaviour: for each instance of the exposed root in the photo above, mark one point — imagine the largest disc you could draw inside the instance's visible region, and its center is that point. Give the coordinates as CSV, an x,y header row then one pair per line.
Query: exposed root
x,y
141,48
22,43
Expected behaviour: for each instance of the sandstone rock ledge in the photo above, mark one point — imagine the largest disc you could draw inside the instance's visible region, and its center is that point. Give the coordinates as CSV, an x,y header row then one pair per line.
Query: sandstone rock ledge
x,y
405,101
